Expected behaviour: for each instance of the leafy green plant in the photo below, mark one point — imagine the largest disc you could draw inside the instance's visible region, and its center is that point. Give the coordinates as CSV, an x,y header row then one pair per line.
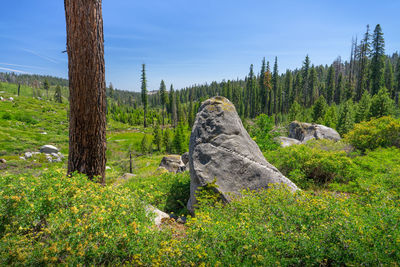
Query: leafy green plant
x,y
382,132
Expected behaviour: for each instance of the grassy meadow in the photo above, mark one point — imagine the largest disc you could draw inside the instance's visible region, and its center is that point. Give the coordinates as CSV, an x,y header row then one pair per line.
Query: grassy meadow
x,y
347,213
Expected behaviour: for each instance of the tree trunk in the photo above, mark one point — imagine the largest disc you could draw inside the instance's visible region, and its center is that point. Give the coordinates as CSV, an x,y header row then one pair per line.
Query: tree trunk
x,y
87,122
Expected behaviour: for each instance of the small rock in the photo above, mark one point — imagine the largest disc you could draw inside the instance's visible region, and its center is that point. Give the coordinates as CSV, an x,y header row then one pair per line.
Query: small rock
x,y
108,168
48,149
43,133
60,155
11,99
172,163
22,158
1,98
160,215
28,155
49,158
57,159
3,161
286,141
54,155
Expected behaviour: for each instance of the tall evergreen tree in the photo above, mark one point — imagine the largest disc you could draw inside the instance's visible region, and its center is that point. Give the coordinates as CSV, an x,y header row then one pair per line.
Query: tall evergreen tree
x,y
330,89
144,94
319,110
389,79
377,60
46,87
346,118
397,82
306,79
339,91
363,66
275,77
312,85
57,94
157,136
289,96
363,108
294,111
87,87
261,86
163,98
381,104
172,101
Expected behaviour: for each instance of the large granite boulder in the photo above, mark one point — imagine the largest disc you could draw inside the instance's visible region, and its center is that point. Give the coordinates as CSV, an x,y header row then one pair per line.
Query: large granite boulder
x,y
303,132
286,141
222,151
172,163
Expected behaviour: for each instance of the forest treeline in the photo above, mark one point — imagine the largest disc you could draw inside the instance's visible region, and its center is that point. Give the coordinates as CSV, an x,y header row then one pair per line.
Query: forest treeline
x,y
367,85
338,95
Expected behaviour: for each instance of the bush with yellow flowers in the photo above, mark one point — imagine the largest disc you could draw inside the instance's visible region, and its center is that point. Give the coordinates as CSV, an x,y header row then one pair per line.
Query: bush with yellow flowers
x,y
69,220
381,132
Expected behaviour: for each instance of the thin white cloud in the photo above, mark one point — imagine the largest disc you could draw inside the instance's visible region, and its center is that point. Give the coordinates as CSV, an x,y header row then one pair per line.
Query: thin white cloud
x,y
14,70
22,66
41,56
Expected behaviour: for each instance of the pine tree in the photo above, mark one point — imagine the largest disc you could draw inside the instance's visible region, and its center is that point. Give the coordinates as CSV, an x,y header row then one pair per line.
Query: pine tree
x,y
167,140
57,94
381,104
363,108
294,111
346,118
275,77
144,94
172,102
46,87
252,92
163,98
86,76
268,90
389,79
288,90
263,93
397,82
331,117
190,111
313,82
145,145
363,66
330,90
377,60
305,80
339,91
157,136
319,110
178,142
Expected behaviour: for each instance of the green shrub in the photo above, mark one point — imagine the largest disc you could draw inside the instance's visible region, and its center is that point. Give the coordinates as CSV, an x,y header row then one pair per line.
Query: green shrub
x,y
276,227
54,219
6,116
307,166
167,191
382,132
262,133
23,117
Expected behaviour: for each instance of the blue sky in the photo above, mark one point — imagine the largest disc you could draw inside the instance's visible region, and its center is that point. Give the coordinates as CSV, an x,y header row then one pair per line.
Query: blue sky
x,y
193,42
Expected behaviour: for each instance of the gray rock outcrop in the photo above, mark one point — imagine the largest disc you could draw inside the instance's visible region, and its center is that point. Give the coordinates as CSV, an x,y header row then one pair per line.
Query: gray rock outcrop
x,y
286,141
185,158
222,151
303,132
172,163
